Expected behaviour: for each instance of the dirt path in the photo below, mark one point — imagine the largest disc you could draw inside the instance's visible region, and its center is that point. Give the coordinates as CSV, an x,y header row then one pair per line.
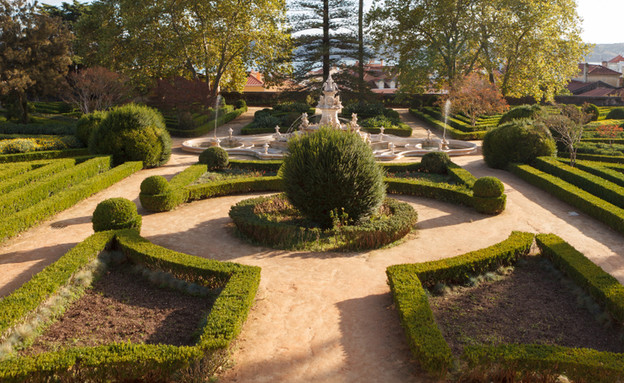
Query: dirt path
x,y
321,317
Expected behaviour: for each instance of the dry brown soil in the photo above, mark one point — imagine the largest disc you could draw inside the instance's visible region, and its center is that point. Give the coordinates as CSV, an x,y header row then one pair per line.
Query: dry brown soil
x,y
320,317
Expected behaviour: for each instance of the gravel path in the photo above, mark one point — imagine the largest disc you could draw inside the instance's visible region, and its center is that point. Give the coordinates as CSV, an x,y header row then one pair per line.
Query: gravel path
x,y
320,317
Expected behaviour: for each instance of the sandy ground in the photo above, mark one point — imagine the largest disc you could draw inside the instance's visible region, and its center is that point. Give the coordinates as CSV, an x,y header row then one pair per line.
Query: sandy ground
x,y
320,317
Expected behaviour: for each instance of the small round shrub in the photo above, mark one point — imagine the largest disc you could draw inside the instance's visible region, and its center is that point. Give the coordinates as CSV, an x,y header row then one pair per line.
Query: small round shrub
x,y
155,185
214,157
240,104
87,124
435,162
591,110
518,141
616,114
488,187
331,170
132,133
115,214
521,112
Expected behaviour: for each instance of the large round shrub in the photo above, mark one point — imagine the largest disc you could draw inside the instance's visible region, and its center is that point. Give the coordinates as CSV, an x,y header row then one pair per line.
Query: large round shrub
x,y
215,157
521,112
435,162
488,187
133,133
616,114
518,141
331,170
155,185
115,214
87,124
591,110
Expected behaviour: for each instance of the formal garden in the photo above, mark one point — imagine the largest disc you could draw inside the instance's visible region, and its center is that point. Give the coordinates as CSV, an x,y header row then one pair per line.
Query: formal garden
x,y
163,223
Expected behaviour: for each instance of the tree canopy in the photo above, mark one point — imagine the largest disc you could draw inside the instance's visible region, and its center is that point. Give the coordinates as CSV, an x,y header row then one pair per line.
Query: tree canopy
x,y
216,40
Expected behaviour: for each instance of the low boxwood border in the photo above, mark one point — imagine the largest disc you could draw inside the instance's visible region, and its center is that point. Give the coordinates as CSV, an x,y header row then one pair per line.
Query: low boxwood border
x,y
29,175
127,361
208,126
407,283
611,215
428,345
439,125
369,235
24,219
460,193
43,155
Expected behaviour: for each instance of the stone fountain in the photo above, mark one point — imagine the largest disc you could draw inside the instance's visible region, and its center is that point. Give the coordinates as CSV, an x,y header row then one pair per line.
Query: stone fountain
x,y
385,146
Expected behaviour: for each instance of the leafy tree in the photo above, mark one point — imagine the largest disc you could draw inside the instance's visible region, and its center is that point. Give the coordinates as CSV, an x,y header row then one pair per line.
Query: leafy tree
x,y
215,40
34,53
475,96
335,42
95,88
567,126
68,12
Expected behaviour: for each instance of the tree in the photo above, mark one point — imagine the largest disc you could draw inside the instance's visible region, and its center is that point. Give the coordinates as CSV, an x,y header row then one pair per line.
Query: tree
x,y
216,41
68,12
34,54
320,51
435,40
95,88
567,126
475,96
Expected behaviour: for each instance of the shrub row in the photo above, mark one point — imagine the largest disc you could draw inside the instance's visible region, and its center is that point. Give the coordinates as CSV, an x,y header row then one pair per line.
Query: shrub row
x,y
603,211
43,155
439,125
369,235
31,194
10,171
601,169
43,143
127,361
457,123
593,184
227,187
208,125
267,166
24,219
400,130
42,172
51,128
406,283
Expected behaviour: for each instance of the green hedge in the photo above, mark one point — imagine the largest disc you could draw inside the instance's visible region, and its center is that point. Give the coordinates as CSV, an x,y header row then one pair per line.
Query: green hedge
x,y
604,170
453,132
401,130
53,128
602,210
406,283
41,173
10,171
599,284
227,187
43,155
268,166
370,235
127,361
419,188
457,122
24,219
208,125
593,184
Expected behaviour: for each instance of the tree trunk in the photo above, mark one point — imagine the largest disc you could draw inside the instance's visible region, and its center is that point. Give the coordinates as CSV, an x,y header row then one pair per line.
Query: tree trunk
x,y
22,108
572,155
361,50
325,47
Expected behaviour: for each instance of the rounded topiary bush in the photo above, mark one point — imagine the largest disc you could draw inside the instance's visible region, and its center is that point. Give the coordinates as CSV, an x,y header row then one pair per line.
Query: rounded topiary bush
x,y
616,114
591,110
115,214
133,133
214,158
331,170
488,187
516,142
155,185
435,162
87,124
521,112
240,104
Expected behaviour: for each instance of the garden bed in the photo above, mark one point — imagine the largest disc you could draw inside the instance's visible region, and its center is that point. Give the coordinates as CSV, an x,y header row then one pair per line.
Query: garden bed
x,y
532,304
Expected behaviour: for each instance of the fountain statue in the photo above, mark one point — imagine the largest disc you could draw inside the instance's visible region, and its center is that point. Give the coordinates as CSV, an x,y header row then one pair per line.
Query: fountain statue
x,y
385,146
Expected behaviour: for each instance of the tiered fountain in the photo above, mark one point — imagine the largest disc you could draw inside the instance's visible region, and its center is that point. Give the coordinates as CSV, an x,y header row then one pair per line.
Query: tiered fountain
x,y
385,146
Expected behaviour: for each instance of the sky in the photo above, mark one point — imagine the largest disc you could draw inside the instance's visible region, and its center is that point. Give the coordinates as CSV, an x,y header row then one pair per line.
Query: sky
x,y
602,19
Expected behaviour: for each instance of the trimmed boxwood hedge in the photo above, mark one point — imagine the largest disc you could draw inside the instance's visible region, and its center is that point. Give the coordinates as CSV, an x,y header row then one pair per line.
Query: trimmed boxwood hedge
x,y
454,133
127,361
43,155
600,209
430,348
371,234
30,216
406,283
48,169
208,125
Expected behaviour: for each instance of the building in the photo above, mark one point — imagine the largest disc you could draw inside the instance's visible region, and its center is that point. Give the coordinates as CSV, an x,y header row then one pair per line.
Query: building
x,y
593,73
382,79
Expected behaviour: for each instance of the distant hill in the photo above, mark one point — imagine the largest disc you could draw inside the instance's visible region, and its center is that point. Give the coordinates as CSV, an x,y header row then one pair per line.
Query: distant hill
x,y
605,52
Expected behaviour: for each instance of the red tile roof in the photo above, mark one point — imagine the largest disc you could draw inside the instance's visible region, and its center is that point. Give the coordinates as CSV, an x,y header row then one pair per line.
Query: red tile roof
x,y
575,84
253,81
617,59
597,70
599,92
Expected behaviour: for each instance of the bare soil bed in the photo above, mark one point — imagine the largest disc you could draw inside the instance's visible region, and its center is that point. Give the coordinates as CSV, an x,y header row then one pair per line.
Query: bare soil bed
x,y
531,305
123,306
